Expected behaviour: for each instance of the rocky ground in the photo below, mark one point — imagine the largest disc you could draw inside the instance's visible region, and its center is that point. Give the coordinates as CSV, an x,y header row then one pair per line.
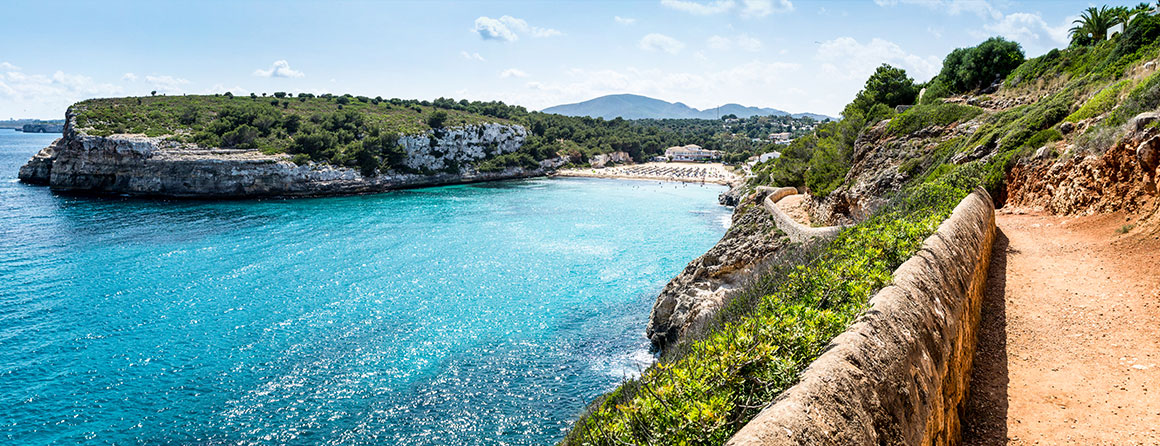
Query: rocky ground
x,y
1069,342
693,297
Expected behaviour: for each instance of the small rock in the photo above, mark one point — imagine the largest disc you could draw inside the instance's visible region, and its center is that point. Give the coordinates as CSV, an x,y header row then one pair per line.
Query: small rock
x,y
1066,127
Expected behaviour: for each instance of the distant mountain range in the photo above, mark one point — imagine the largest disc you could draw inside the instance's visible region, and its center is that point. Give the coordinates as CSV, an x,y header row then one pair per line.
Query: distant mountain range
x,y
631,106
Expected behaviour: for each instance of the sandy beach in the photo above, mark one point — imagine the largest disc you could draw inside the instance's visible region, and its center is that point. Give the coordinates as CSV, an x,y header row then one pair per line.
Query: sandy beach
x,y
683,172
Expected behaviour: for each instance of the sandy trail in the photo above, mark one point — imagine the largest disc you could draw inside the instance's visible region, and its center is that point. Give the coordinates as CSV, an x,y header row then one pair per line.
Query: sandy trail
x,y
1069,343
795,207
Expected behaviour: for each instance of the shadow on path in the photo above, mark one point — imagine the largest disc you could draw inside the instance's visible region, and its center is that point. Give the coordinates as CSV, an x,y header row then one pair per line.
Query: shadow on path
x,y
984,416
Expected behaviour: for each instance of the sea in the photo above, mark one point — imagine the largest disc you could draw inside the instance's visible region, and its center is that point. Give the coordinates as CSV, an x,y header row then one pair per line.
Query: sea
x,y
482,314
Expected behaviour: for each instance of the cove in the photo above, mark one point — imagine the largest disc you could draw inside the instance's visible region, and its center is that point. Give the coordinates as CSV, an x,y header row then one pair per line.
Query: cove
x,y
474,314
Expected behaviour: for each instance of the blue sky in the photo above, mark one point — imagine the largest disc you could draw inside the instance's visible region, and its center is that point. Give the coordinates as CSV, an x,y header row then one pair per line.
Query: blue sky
x,y
794,55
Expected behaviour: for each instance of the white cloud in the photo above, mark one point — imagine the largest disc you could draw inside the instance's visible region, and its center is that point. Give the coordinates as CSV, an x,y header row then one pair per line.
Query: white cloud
x,y
129,77
280,68
692,7
624,20
512,72
167,84
472,56
981,8
743,42
847,58
661,42
508,29
492,29
44,96
1029,28
748,8
521,26
762,8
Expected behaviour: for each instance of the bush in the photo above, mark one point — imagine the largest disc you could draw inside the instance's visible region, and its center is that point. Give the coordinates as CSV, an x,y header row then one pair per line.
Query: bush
x,y
241,137
970,69
923,116
1100,103
889,86
1144,97
437,119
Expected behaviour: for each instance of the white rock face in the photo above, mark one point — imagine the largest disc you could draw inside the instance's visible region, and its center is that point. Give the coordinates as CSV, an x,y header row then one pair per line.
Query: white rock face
x,y
614,157
437,149
140,165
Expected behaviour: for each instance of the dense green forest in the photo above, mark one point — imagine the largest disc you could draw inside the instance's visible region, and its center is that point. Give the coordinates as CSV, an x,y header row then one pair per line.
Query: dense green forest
x,y
710,386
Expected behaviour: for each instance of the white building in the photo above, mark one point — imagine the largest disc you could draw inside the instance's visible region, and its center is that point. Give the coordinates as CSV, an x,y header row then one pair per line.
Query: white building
x,y
691,152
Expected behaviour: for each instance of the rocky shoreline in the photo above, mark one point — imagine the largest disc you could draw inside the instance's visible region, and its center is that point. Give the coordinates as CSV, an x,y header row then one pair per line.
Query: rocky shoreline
x,y
138,165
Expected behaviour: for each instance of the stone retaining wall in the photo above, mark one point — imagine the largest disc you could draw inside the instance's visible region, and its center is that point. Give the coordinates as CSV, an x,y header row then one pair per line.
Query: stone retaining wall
x,y
797,232
900,374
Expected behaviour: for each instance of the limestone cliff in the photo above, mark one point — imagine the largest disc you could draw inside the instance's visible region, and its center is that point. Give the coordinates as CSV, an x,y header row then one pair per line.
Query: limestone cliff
x,y
140,165
693,298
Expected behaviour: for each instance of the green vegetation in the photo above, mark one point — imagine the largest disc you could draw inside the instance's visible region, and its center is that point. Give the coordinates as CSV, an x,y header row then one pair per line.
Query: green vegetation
x,y
820,162
704,390
1100,103
704,394
361,132
923,116
1144,97
1093,23
974,68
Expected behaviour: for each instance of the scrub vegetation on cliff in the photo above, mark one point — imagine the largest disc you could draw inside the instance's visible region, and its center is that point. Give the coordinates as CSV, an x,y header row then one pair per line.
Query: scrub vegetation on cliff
x,y
966,133
362,132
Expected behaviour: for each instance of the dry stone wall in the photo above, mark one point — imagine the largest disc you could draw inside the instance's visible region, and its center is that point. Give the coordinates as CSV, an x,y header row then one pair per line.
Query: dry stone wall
x,y
900,374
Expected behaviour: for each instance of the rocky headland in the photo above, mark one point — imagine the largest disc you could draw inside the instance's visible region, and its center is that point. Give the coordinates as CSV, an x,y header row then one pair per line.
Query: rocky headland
x,y
139,165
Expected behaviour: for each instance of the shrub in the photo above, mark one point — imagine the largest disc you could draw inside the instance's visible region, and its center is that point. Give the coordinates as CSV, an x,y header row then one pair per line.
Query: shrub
x,y
1100,103
1144,97
437,119
889,86
241,137
923,116
969,69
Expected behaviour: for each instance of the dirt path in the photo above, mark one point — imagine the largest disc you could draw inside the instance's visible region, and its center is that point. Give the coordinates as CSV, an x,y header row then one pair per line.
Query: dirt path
x,y
795,207
1069,343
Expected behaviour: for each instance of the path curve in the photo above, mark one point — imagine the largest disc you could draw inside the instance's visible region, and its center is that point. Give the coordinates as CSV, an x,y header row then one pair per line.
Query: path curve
x,y
797,232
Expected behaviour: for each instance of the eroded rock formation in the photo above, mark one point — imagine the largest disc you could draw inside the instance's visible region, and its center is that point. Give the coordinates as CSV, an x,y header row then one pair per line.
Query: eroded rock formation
x,y
693,298
1123,178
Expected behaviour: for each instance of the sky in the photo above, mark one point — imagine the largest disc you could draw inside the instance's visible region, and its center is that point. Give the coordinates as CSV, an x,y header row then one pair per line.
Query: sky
x,y
794,55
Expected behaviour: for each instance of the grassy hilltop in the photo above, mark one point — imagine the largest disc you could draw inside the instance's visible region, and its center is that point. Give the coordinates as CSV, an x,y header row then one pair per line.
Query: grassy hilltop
x,y
707,388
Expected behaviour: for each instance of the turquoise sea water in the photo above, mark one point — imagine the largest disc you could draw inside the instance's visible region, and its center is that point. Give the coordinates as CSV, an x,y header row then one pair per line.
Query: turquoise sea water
x,y
481,314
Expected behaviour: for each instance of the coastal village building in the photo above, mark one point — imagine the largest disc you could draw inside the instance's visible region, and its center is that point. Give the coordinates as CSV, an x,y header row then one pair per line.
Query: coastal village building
x,y
691,152
781,138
